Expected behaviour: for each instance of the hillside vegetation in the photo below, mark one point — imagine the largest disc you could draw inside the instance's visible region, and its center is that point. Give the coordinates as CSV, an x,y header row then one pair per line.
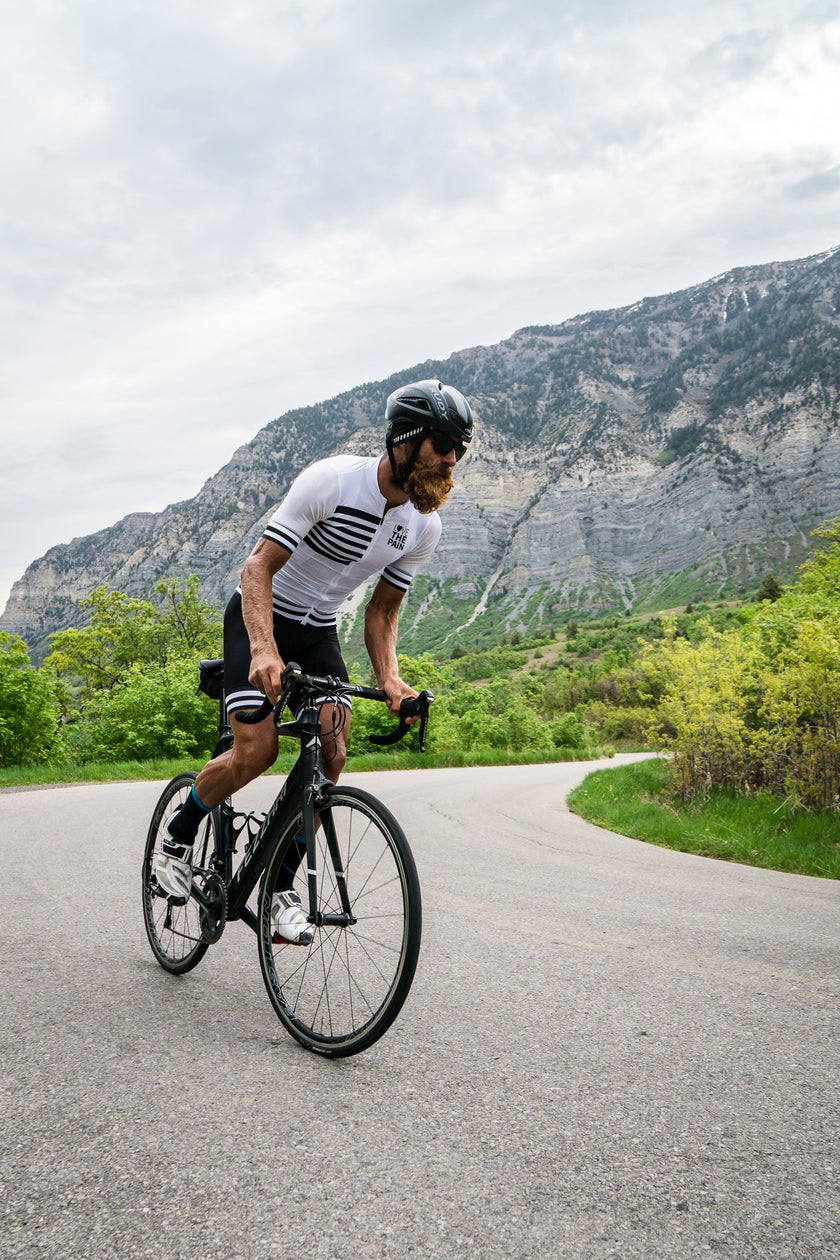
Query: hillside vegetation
x,y
745,698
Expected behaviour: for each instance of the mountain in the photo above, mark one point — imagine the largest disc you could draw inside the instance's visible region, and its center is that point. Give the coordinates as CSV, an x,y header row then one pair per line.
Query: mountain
x,y
675,449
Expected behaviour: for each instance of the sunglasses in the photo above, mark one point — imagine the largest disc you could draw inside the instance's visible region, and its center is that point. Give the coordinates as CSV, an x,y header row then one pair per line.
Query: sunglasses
x,y
442,445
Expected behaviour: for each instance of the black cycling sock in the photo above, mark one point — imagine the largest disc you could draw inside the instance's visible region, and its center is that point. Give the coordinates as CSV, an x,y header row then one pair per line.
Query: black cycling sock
x,y
295,854
188,819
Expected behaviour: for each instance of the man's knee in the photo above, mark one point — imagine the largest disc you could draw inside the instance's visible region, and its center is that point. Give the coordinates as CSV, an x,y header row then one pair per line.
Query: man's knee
x,y
334,727
255,753
258,760
334,758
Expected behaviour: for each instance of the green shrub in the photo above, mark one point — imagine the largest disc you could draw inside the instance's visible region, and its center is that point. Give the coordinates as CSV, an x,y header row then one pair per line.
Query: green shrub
x,y
756,706
153,711
30,707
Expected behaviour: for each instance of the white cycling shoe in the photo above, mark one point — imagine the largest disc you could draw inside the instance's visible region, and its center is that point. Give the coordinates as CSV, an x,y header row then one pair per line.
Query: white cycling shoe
x,y
288,920
172,868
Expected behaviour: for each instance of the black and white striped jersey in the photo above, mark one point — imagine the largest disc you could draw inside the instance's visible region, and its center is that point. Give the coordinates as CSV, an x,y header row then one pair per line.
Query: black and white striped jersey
x,y
334,523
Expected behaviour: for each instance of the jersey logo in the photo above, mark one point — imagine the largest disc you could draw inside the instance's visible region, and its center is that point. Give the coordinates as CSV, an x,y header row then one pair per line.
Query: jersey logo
x,y
398,538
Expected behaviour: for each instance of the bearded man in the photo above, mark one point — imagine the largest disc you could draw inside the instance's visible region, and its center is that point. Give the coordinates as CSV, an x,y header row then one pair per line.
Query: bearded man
x,y
343,520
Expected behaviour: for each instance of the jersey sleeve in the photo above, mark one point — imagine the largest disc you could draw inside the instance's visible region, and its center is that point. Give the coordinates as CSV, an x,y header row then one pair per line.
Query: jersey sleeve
x,y
401,572
312,497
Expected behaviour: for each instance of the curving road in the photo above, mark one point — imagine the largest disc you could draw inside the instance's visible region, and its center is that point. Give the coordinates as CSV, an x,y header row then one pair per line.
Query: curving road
x,y
610,1049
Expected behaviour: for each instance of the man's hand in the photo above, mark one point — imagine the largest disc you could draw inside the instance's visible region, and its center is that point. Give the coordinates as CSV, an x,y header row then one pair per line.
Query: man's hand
x,y
266,669
396,690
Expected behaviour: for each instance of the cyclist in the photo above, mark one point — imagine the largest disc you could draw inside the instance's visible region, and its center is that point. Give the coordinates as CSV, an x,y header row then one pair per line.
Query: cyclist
x,y
343,520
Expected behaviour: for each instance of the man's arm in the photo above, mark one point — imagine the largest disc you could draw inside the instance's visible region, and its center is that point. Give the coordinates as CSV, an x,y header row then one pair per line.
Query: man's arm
x,y
381,617
265,560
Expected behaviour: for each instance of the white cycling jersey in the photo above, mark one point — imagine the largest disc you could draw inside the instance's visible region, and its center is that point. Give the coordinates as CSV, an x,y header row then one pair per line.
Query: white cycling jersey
x,y
335,524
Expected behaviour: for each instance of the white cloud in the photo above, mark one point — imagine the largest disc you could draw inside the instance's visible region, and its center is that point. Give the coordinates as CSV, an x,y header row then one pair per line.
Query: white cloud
x,y
216,211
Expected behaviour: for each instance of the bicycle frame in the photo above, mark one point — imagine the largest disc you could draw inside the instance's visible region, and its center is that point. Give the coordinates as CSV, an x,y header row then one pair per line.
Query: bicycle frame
x,y
305,783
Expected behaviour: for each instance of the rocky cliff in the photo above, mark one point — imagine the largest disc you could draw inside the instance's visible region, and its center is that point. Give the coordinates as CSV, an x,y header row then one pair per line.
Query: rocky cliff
x,y
674,449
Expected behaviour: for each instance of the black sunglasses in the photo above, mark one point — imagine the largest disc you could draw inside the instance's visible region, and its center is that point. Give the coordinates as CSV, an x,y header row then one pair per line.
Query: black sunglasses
x,y
442,444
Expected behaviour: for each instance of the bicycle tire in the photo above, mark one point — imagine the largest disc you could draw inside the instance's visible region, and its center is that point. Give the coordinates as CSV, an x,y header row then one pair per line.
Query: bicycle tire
x,y
175,931
338,995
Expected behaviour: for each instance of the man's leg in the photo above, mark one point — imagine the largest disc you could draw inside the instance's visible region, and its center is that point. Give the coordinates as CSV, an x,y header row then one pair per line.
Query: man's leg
x,y
254,747
254,751
335,725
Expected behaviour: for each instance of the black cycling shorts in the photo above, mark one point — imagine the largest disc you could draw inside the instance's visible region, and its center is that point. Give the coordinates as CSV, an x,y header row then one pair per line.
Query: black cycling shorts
x,y
314,648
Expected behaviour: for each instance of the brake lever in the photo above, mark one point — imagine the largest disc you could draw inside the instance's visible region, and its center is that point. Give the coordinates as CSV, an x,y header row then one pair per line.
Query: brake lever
x,y
411,706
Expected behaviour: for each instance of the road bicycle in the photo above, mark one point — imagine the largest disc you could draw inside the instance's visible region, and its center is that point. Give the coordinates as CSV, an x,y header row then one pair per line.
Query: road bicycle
x,y
339,847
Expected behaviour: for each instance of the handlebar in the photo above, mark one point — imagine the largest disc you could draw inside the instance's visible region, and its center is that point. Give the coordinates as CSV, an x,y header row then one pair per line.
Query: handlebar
x,y
293,676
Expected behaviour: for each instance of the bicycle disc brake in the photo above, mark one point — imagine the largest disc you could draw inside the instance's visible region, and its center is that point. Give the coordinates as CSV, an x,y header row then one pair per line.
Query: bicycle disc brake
x,y
212,913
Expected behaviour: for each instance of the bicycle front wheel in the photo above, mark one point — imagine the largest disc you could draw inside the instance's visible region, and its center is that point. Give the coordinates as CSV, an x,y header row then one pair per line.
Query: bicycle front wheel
x,y
175,930
338,995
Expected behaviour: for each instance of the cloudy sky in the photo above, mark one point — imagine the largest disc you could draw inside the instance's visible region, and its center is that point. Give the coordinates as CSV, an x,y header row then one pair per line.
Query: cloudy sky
x,y
214,210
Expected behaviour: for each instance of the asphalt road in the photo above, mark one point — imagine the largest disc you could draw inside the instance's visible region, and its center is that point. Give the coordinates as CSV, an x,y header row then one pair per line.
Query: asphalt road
x,y
610,1049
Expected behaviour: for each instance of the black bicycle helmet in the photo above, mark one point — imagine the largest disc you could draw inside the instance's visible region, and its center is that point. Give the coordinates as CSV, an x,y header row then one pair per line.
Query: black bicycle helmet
x,y
414,411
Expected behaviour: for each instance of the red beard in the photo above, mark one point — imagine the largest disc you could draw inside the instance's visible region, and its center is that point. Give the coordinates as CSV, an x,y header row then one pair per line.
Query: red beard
x,y
428,488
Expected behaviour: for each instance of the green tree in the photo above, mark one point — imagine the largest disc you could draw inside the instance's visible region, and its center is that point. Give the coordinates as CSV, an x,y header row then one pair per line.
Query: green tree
x,y
124,631
820,574
191,626
709,704
770,590
151,711
133,673
30,707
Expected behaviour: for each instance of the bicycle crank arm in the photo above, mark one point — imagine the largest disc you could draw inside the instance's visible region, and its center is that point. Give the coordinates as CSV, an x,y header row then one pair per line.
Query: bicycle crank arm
x,y
202,897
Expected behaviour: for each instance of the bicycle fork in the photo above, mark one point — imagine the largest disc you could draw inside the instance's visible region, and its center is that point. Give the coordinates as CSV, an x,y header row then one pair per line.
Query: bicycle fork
x,y
316,810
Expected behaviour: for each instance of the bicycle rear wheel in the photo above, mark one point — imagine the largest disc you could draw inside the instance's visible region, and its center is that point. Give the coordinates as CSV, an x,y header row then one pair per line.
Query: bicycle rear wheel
x,y
338,995
175,930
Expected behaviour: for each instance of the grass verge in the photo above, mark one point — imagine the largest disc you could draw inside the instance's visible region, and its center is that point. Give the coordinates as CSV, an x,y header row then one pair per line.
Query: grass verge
x,y
128,771
757,830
